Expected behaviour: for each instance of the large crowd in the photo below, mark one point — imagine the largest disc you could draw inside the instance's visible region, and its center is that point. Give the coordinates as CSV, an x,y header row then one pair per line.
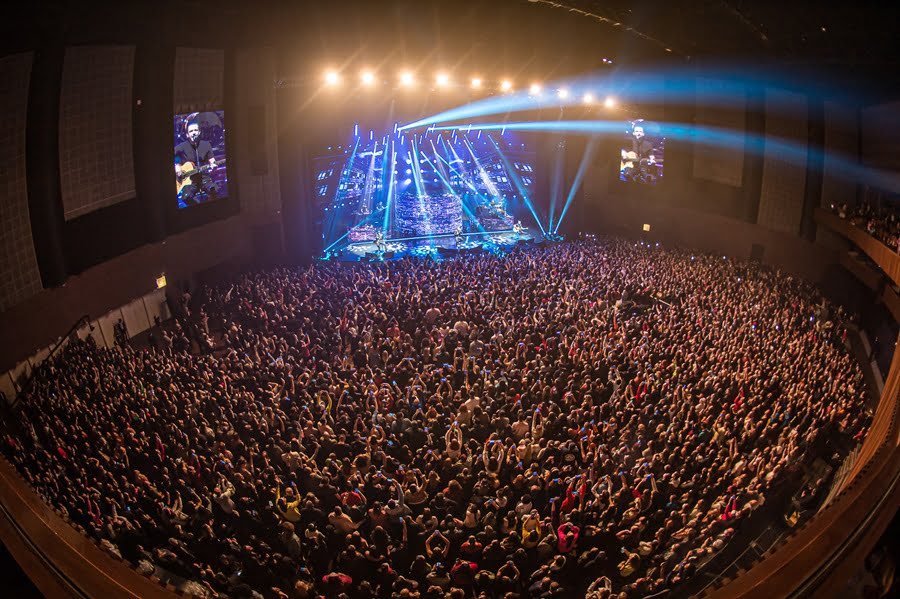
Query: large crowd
x,y
882,222
586,419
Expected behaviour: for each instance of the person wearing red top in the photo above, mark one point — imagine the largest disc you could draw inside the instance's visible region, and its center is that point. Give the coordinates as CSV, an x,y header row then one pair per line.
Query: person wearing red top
x,y
463,572
568,503
336,582
567,537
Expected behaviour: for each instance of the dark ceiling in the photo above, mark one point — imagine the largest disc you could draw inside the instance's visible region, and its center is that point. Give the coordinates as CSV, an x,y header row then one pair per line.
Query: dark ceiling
x,y
790,30
519,38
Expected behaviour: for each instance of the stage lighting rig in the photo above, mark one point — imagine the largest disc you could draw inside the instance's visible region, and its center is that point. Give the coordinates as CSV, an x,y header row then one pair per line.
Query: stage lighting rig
x,y
476,82
562,93
506,85
442,79
367,77
588,98
332,77
407,79
534,89
610,102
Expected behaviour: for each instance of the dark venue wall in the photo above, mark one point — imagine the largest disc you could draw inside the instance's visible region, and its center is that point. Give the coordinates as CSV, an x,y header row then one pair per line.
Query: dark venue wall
x,y
90,216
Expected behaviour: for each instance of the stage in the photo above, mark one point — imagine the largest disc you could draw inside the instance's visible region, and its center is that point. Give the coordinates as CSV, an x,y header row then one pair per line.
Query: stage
x,y
436,247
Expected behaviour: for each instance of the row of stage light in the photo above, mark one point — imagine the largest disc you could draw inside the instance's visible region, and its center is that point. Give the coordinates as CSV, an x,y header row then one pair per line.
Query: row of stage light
x,y
407,79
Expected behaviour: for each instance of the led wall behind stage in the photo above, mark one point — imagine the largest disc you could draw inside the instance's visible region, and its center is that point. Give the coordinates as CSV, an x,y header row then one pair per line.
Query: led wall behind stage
x,y
415,185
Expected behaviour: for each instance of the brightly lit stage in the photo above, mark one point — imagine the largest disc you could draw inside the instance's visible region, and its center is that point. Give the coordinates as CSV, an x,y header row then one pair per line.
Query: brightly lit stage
x,y
434,246
424,194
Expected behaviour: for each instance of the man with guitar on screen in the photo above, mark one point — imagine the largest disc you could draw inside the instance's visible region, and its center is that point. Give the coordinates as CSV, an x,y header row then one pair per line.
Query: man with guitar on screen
x,y
194,160
638,160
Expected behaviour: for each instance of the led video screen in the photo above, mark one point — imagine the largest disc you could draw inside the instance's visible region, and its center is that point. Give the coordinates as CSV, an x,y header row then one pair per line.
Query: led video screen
x,y
427,184
199,157
642,153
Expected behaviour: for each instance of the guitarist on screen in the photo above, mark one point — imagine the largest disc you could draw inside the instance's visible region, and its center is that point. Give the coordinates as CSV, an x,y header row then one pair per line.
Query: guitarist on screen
x,y
194,160
638,159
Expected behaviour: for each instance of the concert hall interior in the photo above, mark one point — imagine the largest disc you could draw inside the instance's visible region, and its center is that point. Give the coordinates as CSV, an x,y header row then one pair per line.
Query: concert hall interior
x,y
449,299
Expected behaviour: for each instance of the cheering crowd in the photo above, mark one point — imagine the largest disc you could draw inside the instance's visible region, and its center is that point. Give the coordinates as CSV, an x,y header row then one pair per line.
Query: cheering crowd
x,y
584,419
882,223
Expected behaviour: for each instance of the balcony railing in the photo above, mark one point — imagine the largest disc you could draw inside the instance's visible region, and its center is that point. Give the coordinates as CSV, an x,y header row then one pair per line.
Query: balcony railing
x,y
886,258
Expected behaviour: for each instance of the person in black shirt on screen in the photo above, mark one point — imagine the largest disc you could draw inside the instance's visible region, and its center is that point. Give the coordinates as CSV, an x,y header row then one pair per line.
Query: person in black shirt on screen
x,y
195,184
639,157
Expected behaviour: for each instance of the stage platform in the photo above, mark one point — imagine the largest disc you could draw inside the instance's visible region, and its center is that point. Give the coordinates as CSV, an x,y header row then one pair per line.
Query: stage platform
x,y
436,247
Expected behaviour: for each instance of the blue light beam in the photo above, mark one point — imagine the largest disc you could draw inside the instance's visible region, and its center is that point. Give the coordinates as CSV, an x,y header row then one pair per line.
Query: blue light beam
x,y
586,159
788,151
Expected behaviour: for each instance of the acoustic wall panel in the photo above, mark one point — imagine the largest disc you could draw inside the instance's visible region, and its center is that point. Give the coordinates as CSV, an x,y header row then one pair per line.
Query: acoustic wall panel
x,y
784,172
199,79
880,130
257,133
96,161
19,274
721,105
841,151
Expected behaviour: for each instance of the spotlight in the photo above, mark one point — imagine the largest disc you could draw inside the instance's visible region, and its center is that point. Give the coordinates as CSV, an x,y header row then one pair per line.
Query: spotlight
x,y
609,102
534,89
442,79
332,77
476,82
407,78
562,93
367,77
505,85
588,98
